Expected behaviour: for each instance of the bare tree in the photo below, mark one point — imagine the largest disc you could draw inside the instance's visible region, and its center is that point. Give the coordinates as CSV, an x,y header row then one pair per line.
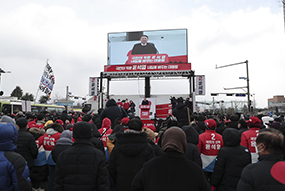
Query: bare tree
x,y
57,97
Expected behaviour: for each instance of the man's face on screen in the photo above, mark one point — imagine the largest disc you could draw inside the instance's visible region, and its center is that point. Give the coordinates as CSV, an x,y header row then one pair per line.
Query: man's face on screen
x,y
144,39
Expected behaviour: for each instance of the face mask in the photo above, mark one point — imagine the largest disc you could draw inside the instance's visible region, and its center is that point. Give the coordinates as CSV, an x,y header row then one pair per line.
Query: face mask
x,y
256,148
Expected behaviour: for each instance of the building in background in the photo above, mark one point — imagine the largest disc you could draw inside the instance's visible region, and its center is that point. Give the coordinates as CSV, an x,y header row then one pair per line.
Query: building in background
x,y
277,103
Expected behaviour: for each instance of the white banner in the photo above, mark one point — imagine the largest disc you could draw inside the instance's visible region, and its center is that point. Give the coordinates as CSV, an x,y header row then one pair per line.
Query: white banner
x,y
93,86
26,106
47,81
200,85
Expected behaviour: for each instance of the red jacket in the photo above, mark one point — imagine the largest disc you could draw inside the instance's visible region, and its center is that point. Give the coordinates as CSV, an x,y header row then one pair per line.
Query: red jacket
x,y
106,124
48,140
126,105
210,143
209,146
248,139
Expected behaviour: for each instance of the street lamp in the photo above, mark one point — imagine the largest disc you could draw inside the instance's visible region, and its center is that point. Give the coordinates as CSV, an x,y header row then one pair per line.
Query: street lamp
x,y
2,71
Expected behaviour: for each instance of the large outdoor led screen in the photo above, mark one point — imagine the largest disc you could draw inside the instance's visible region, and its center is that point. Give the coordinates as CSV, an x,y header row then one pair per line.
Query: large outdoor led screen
x,y
148,47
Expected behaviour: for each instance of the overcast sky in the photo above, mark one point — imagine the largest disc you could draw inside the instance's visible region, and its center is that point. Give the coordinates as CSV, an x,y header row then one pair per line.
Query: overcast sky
x,y
72,34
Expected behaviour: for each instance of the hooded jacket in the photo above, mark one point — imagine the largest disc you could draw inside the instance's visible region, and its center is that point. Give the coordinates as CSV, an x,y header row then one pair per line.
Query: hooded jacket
x,y
48,141
112,111
231,160
171,170
63,143
95,140
131,151
192,153
106,129
13,167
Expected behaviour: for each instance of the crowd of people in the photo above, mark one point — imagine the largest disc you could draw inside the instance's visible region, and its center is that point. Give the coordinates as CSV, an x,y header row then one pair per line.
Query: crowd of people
x,y
111,150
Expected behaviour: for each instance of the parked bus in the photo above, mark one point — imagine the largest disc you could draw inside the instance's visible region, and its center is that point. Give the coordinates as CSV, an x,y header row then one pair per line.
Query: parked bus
x,y
14,106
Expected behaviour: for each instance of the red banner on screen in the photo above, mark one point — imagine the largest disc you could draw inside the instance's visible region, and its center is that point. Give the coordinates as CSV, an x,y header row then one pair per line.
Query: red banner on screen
x,y
154,58
147,67
147,59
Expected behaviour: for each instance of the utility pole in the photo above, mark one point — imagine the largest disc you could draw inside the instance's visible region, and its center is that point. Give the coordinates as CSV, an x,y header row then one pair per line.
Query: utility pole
x,y
247,80
213,105
66,99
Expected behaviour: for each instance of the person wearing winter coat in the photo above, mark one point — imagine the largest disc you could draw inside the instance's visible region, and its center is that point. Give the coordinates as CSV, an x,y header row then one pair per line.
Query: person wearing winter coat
x,y
248,137
171,171
131,151
95,140
82,166
173,102
39,175
201,126
181,113
112,111
111,140
48,140
192,152
231,160
233,122
132,107
105,130
63,143
96,118
151,136
242,126
14,171
221,124
210,142
268,173
170,121
26,145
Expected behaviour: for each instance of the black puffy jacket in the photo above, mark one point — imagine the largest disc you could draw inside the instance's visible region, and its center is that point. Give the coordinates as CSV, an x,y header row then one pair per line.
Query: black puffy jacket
x,y
112,111
95,140
231,160
258,176
192,152
81,167
26,146
131,151
181,113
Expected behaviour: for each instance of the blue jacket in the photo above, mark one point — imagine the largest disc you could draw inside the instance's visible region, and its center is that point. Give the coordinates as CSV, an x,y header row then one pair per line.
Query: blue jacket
x,y
14,172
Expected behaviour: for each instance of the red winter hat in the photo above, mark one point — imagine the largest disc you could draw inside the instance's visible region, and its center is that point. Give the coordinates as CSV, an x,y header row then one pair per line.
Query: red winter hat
x,y
59,121
254,122
125,121
151,127
211,123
